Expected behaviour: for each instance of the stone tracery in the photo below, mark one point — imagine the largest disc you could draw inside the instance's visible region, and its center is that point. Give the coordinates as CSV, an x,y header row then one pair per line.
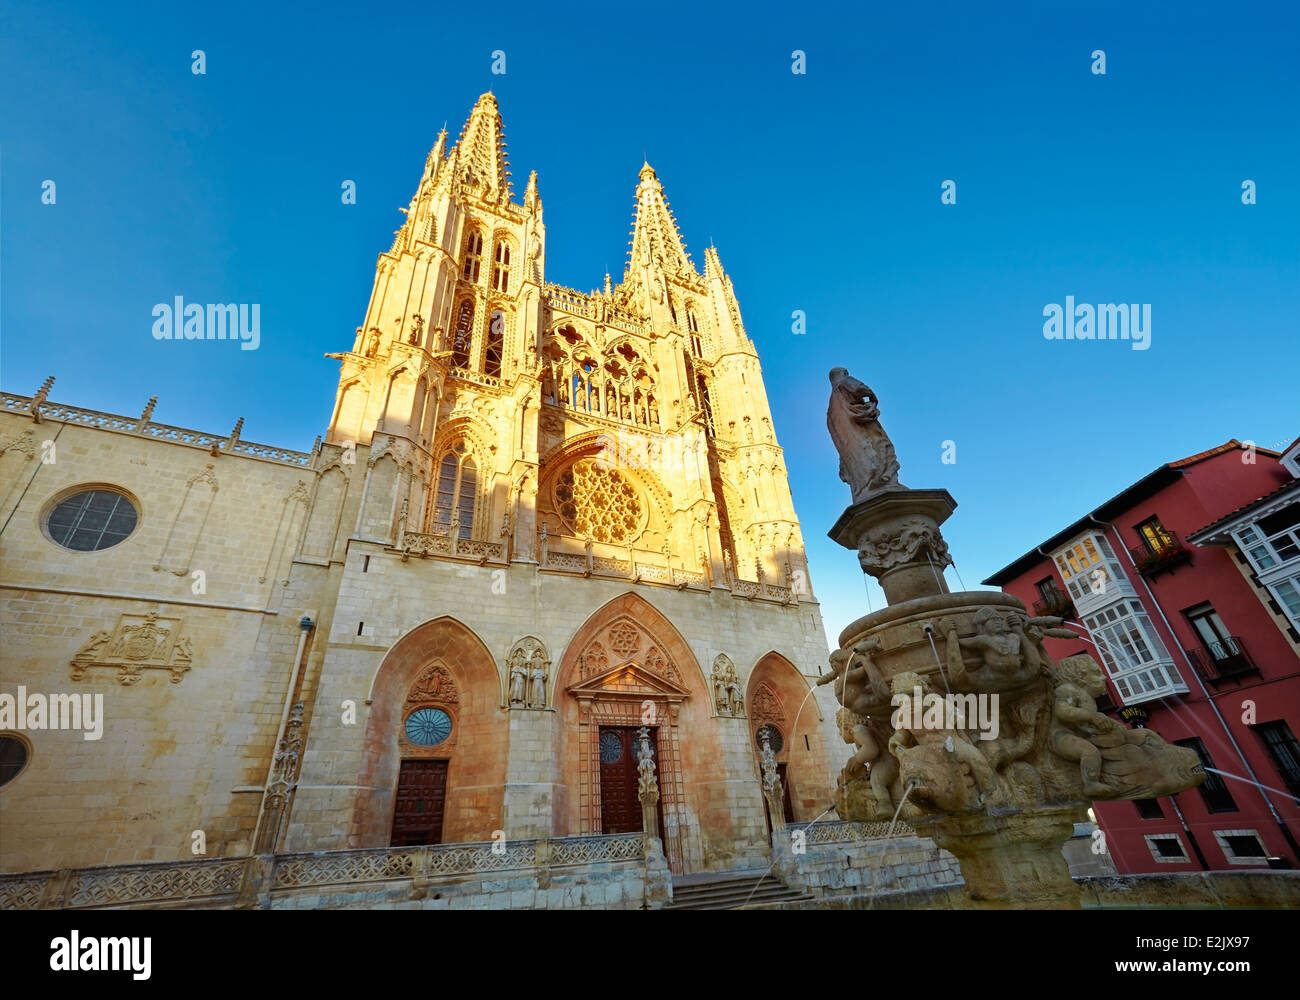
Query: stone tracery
x,y
598,503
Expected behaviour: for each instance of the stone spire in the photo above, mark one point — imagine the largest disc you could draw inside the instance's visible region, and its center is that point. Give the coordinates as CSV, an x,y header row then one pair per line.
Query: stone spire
x,y
655,237
433,162
482,150
730,327
532,200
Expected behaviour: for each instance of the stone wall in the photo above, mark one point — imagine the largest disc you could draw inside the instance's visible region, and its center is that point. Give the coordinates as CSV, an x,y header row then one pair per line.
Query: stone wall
x,y
274,536
181,750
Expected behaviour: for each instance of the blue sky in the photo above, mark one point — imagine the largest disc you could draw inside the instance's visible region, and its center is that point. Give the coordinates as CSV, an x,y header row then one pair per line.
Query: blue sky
x,y
821,192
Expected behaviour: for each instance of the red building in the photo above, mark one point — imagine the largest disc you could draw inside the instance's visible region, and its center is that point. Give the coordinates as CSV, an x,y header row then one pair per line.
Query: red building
x,y
1195,646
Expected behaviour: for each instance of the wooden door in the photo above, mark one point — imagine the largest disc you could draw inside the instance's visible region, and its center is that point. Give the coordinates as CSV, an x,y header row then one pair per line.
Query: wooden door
x,y
421,796
620,810
786,803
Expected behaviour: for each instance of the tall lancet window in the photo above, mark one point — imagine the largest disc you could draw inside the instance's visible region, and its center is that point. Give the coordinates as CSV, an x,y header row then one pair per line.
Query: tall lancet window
x,y
501,267
473,254
462,338
697,348
496,340
706,405
455,494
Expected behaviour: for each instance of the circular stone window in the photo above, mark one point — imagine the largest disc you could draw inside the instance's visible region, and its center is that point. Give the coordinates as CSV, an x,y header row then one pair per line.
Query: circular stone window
x,y
611,748
596,501
427,727
14,756
90,520
774,737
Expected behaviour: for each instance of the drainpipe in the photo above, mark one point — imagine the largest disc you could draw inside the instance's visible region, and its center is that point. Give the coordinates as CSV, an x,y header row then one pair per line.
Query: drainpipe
x,y
305,625
1286,833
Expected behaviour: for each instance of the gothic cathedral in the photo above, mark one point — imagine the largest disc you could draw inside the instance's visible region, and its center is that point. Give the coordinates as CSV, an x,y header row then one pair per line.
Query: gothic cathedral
x,y
546,532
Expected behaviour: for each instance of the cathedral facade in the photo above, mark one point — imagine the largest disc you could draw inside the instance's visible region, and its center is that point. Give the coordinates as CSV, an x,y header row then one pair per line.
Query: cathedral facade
x,y
542,524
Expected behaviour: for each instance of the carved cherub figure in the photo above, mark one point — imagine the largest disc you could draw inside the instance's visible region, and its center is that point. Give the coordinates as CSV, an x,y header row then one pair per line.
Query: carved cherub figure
x,y
1008,658
1076,692
860,688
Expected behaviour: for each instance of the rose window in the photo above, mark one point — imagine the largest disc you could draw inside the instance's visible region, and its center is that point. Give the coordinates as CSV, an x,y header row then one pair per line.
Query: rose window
x,y
598,503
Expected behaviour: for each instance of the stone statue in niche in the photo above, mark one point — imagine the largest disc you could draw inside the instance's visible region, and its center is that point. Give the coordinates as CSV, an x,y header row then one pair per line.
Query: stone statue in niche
x,y
727,696
417,330
867,460
518,677
537,682
372,344
544,545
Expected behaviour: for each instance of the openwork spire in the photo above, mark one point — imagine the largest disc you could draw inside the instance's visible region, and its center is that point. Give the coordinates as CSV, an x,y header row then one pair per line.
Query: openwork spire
x,y
484,166
655,237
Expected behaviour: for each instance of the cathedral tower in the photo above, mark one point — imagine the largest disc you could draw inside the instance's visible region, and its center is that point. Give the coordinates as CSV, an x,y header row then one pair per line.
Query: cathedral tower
x,y
485,382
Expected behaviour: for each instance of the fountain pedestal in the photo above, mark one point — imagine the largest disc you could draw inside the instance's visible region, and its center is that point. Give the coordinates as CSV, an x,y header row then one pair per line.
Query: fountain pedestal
x,y
1012,861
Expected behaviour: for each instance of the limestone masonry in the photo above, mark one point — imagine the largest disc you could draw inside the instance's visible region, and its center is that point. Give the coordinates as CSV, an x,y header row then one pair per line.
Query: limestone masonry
x,y
540,521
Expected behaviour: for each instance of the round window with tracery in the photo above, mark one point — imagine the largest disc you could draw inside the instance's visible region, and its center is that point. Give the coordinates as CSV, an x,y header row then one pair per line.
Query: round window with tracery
x,y
598,502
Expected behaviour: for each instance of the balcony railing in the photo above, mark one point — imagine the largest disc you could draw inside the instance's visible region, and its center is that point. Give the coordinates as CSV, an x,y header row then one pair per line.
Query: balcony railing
x,y
1226,660
1168,555
1058,604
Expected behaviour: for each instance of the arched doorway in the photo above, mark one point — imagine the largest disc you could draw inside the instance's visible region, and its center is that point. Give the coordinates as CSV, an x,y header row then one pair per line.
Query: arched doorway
x,y
626,667
434,766
778,700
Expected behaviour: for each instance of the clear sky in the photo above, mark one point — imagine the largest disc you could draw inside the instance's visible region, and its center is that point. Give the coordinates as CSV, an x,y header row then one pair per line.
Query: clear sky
x,y
821,192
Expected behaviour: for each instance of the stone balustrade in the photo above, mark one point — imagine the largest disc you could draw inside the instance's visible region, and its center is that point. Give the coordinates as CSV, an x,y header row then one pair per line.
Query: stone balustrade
x,y
147,428
375,876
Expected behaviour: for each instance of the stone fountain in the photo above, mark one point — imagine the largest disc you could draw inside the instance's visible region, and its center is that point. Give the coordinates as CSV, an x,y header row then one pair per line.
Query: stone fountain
x,y
959,719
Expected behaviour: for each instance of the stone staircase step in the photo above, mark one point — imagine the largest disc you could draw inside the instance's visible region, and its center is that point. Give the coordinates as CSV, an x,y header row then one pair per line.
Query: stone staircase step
x,y
732,892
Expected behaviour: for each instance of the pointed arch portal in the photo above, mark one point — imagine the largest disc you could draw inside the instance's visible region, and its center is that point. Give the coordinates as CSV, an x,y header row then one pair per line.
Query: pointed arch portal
x,y
626,667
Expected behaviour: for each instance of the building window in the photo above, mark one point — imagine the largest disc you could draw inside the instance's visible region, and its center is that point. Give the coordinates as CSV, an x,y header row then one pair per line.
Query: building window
x,y
1149,809
428,727
496,338
1214,790
15,753
1155,537
597,502
462,339
1135,657
706,405
91,520
1242,847
1208,625
1284,749
774,738
473,254
1273,539
1166,848
1288,592
501,267
455,494
1089,568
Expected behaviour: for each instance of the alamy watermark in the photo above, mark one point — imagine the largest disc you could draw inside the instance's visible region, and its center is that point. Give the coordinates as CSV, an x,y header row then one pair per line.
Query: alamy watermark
x,y
939,712
55,711
1106,321
215,321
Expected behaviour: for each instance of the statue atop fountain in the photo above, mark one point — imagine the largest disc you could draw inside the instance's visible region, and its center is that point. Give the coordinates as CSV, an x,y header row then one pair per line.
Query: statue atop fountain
x,y
867,460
